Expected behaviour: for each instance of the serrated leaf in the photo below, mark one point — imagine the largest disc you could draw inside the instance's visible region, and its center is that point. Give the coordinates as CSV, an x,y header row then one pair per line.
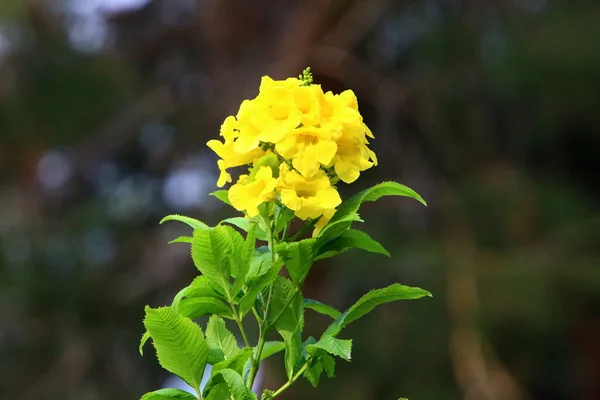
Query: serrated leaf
x,y
192,222
169,394
328,364
179,342
201,286
336,228
321,308
371,300
337,347
222,195
298,258
351,239
290,323
236,385
246,254
143,341
182,239
221,342
212,251
372,194
196,307
255,286
218,392
271,348
313,374
245,225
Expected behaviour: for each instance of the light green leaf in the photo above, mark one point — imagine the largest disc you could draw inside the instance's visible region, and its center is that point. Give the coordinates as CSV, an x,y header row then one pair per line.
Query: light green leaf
x,y
246,254
182,239
194,223
290,323
236,385
179,342
337,347
221,342
313,374
236,362
245,225
298,258
212,251
271,348
255,286
348,240
201,286
372,194
222,195
321,308
143,341
283,216
195,307
371,300
336,228
169,394
218,392
261,262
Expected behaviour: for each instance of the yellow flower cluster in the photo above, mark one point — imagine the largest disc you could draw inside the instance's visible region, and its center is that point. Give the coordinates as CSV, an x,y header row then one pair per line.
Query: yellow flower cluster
x,y
299,141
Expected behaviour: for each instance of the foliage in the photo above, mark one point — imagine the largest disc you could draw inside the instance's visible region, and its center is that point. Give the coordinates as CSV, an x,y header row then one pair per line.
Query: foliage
x,y
298,142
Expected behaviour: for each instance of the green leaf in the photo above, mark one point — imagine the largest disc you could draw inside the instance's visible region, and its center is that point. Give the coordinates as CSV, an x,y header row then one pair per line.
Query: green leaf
x,y
196,307
194,223
255,286
212,251
334,229
321,308
236,362
337,347
298,258
290,323
271,348
218,392
201,286
222,195
371,300
245,225
143,341
328,363
221,342
179,342
246,254
182,239
372,194
351,239
313,374
236,385
283,216
169,394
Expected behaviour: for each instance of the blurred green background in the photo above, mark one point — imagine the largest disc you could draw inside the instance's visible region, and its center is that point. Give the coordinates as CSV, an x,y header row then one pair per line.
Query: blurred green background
x,y
489,109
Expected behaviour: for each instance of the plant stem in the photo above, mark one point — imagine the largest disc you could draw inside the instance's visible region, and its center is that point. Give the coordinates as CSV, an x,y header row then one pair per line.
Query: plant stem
x,y
242,330
198,393
291,380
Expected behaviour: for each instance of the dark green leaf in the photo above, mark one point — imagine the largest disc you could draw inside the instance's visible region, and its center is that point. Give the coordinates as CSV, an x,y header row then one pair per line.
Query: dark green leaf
x,y
313,374
179,343
328,363
169,394
348,240
194,223
372,300
321,308
221,342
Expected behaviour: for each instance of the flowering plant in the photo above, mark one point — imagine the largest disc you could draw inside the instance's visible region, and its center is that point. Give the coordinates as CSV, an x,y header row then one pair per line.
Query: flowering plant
x,y
297,143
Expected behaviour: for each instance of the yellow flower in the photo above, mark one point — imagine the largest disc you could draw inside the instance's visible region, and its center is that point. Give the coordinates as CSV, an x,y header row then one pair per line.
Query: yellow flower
x,y
308,197
224,176
308,148
247,196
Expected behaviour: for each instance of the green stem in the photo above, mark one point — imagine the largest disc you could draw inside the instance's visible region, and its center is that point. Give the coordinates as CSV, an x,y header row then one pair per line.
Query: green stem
x,y
305,228
291,380
198,393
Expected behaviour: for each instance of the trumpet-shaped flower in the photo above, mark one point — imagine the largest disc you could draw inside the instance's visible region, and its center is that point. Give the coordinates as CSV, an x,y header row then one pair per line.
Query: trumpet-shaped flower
x,y
247,195
308,197
308,147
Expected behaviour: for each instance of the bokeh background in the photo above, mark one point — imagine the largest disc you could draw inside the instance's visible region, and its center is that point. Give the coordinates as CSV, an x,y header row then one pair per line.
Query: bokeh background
x,y
489,109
